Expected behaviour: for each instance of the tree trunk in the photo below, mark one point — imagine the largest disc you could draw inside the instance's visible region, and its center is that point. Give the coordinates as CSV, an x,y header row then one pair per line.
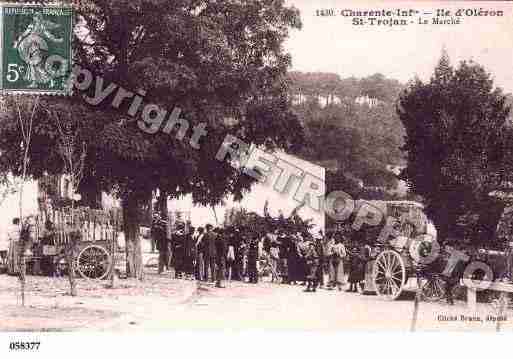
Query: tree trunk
x,y
22,271
131,224
70,258
162,205
22,268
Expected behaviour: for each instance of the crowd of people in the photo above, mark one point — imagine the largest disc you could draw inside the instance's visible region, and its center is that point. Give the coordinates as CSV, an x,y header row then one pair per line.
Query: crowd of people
x,y
288,254
214,254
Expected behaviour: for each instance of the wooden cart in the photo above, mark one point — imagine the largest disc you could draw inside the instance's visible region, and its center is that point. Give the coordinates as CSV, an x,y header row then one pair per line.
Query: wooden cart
x,y
391,265
94,255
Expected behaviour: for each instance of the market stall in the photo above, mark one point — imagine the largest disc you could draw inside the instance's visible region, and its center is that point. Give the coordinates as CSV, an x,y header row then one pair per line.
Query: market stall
x,y
50,240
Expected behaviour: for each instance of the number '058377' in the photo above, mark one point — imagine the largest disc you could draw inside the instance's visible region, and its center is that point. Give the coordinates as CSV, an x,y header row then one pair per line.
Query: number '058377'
x,y
24,345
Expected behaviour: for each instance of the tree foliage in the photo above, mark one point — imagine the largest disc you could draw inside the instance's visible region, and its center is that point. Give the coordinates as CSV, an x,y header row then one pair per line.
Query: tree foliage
x,y
363,139
245,221
214,60
458,145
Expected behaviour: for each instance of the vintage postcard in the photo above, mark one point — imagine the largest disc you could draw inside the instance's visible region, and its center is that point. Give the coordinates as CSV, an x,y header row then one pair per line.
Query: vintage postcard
x,y
246,165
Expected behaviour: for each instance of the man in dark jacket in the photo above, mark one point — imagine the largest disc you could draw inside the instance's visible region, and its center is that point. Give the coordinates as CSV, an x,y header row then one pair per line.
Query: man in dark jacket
x,y
159,235
221,248
312,263
200,251
239,255
320,244
209,253
178,240
189,253
252,258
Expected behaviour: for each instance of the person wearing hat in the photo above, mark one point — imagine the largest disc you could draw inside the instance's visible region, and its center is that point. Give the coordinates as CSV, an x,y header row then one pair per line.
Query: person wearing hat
x,y
283,247
312,264
221,251
337,254
302,249
178,241
209,253
252,258
189,252
200,262
230,253
239,246
159,235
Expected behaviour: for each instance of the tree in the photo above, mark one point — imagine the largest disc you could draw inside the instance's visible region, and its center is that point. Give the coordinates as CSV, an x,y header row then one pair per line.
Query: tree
x,y
72,150
24,111
458,145
363,140
214,60
328,140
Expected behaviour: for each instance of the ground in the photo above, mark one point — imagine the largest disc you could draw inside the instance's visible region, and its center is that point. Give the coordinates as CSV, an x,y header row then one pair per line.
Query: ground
x,y
163,303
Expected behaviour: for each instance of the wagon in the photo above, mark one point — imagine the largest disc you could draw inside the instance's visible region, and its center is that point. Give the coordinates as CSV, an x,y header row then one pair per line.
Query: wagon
x,y
391,264
94,255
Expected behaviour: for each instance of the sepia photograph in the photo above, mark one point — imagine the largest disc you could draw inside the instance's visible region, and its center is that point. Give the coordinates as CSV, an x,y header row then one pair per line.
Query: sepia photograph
x,y
276,165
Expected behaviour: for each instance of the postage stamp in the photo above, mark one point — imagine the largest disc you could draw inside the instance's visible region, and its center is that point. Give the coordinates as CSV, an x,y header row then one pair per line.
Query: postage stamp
x,y
36,48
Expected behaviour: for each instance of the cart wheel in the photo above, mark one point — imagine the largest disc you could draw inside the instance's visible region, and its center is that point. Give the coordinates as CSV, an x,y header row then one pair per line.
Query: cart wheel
x,y
93,262
389,275
433,289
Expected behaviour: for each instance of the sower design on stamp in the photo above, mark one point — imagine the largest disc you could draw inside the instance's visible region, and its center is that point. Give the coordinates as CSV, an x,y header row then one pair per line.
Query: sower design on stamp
x,y
36,42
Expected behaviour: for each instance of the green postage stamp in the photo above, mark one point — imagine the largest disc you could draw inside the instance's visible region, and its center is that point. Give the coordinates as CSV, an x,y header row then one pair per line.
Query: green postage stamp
x,y
36,48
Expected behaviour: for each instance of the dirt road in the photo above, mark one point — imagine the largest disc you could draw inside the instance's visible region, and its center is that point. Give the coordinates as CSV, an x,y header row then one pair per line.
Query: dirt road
x,y
163,303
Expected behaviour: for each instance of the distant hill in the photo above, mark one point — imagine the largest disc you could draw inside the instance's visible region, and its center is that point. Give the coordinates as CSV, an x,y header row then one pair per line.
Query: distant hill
x,y
350,124
333,89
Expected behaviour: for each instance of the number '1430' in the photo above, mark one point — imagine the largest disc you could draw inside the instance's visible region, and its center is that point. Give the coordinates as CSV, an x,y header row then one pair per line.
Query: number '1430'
x,y
325,12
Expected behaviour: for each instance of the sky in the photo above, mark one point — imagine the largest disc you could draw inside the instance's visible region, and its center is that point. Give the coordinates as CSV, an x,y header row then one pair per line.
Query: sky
x,y
333,44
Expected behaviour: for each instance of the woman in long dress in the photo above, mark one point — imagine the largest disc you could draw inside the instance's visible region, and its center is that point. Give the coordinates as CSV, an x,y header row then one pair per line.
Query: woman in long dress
x,y
292,261
302,266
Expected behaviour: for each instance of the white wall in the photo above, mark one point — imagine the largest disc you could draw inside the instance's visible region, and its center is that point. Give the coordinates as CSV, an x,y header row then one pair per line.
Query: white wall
x,y
255,200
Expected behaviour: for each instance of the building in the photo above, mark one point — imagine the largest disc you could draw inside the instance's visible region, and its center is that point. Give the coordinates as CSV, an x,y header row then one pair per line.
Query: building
x,y
255,200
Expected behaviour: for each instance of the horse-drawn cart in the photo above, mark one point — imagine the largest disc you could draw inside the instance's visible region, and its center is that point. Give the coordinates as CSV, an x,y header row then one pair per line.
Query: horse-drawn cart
x,y
94,253
402,258
391,264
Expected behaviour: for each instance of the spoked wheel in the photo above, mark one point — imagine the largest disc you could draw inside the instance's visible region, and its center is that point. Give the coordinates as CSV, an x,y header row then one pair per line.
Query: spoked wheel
x,y
93,262
389,275
433,289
